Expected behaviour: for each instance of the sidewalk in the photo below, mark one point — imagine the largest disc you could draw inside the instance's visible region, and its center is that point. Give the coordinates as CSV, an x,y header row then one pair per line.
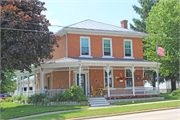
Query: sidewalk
x,y
48,113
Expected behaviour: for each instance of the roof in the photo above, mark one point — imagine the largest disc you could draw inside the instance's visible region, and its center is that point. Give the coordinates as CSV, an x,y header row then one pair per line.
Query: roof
x,y
98,26
96,60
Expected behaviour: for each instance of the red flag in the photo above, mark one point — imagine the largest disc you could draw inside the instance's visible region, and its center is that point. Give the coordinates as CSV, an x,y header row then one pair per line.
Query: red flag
x,y
160,51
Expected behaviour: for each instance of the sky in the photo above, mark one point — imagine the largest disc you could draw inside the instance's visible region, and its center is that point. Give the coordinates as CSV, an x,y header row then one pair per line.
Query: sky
x,y
67,12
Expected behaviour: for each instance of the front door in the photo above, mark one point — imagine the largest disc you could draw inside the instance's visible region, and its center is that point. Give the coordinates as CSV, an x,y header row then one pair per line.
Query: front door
x,y
83,82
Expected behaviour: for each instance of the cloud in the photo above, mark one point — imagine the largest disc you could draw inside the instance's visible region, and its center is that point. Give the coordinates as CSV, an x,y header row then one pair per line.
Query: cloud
x,y
49,13
52,21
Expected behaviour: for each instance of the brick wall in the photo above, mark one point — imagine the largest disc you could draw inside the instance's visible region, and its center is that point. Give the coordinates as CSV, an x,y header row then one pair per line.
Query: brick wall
x,y
96,46
61,78
116,74
99,75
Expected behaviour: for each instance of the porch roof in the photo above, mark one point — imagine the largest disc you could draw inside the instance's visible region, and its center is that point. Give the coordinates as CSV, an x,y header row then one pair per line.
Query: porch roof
x,y
101,61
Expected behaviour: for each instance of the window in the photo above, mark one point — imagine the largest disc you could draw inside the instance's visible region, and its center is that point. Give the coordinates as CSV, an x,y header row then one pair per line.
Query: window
x,y
107,47
110,79
128,49
85,46
129,78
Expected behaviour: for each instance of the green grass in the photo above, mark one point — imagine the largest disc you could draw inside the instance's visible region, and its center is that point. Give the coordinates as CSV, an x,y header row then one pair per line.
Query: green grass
x,y
103,111
13,110
169,97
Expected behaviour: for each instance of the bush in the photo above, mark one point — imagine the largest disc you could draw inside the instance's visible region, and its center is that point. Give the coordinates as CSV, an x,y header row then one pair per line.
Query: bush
x,y
46,100
23,98
175,93
15,97
36,98
9,99
75,93
166,96
57,97
1,100
19,97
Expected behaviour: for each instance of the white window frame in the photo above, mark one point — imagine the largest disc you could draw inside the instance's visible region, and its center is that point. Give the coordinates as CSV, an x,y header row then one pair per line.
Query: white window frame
x,y
111,52
128,57
128,77
111,69
89,43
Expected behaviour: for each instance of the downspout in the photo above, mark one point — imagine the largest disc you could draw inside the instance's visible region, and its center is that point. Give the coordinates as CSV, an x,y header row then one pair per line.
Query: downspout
x,y
66,45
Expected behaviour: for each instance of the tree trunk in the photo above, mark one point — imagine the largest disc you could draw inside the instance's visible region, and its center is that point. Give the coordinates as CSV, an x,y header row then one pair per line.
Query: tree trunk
x,y
154,80
173,85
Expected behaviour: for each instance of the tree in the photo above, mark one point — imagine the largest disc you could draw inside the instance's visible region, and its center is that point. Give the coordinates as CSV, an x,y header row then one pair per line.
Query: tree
x,y
25,37
8,85
163,27
140,25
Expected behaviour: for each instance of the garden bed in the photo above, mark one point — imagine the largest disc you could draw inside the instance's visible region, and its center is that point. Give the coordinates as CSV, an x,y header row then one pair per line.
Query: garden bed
x,y
111,101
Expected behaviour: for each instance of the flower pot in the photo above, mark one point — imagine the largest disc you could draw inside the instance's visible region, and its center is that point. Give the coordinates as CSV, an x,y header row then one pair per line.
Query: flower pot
x,y
121,80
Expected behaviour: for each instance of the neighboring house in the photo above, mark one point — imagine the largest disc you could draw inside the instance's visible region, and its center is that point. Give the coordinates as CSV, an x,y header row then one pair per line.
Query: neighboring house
x,y
91,54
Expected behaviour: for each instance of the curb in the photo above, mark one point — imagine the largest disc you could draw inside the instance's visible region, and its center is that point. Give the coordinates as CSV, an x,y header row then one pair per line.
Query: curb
x,y
125,113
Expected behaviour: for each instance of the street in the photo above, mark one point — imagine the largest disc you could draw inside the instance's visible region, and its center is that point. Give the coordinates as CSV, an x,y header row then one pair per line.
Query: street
x,y
172,114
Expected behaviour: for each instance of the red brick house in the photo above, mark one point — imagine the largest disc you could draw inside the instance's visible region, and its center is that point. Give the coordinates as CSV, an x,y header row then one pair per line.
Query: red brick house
x,y
95,54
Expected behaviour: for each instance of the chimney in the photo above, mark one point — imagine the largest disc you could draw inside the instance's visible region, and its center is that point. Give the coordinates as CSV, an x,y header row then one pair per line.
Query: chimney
x,y
124,24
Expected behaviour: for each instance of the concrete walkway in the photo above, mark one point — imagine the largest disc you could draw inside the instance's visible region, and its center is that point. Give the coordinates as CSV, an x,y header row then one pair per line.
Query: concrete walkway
x,y
48,113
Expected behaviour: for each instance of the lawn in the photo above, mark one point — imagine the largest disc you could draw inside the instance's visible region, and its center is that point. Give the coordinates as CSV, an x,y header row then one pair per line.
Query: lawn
x,y
103,111
13,110
166,95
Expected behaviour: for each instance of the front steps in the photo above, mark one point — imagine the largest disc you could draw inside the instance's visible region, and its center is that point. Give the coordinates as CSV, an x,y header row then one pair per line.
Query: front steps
x,y
97,101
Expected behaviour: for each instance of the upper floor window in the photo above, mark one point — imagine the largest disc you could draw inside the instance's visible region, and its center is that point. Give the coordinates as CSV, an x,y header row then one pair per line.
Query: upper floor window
x,y
128,51
85,47
107,47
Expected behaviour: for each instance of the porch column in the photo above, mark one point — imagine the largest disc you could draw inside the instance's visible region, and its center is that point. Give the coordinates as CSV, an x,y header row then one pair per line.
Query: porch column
x,y
52,80
108,80
23,83
17,84
42,80
20,84
35,82
28,85
132,70
80,75
69,77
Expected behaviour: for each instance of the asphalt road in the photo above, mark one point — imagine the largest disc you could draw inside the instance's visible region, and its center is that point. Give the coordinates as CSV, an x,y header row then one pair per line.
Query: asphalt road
x,y
171,114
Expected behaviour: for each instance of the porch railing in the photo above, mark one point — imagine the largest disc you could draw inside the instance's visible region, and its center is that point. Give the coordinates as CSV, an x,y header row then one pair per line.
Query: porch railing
x,y
50,92
129,91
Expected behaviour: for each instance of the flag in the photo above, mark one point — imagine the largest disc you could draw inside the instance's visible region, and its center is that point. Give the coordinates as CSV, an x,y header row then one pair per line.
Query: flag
x,y
160,51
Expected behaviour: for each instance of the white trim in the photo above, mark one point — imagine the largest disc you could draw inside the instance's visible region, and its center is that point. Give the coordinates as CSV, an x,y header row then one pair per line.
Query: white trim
x,y
111,52
89,45
128,57
110,69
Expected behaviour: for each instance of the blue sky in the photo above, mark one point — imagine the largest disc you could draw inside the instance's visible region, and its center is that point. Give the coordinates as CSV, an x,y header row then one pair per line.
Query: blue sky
x,y
67,12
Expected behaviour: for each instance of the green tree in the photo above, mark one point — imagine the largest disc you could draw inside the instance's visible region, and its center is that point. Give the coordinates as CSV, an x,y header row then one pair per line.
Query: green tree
x,y
163,27
140,25
8,85
25,37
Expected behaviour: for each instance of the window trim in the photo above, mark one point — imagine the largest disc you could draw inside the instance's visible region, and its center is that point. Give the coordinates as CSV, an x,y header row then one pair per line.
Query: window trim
x,y
111,69
128,77
111,51
128,57
89,43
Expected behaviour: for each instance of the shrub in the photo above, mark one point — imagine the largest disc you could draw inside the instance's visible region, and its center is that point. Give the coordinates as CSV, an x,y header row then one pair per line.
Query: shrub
x,y
19,97
23,98
57,97
166,96
1,100
9,99
46,100
175,93
75,93
34,99
15,97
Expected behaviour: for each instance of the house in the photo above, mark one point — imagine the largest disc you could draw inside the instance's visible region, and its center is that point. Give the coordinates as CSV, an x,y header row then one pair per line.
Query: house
x,y
92,54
